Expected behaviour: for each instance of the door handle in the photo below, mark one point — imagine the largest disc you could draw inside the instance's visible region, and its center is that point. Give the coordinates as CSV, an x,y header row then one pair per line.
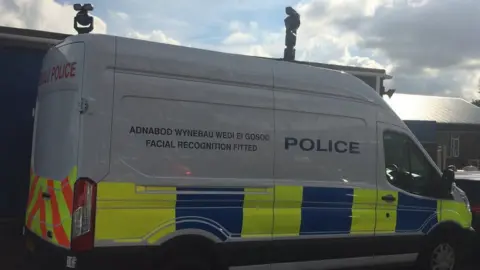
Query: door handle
x,y
388,198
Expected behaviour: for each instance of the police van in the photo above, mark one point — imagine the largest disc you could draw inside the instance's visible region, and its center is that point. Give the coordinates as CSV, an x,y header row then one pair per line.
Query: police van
x,y
168,157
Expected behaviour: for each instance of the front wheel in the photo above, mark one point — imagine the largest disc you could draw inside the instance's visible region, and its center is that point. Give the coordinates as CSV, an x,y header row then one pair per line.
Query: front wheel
x,y
443,257
441,253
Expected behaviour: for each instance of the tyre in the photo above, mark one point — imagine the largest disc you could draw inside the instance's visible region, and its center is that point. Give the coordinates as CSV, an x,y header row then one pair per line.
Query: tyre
x,y
443,252
188,252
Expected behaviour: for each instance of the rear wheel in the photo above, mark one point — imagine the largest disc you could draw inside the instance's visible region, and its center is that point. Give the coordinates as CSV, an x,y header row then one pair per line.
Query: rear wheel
x,y
187,253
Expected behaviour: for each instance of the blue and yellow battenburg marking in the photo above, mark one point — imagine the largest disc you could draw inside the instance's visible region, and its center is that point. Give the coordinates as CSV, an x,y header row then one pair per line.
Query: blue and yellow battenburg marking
x,y
129,213
317,210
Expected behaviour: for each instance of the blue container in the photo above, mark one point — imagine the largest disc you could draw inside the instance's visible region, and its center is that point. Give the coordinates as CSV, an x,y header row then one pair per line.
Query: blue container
x,y
19,73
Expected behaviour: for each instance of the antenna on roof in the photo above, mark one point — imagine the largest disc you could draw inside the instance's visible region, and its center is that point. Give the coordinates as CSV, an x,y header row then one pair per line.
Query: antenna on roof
x,y
83,19
292,23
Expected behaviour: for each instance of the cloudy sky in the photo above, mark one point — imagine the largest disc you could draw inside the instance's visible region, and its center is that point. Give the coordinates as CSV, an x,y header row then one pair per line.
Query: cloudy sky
x,y
429,46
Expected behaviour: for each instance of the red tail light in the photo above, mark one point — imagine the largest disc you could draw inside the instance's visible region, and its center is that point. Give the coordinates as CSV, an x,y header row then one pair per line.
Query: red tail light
x,y
83,217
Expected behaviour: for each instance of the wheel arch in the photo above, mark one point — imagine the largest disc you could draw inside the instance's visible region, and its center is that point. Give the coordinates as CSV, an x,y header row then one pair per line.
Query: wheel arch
x,y
449,226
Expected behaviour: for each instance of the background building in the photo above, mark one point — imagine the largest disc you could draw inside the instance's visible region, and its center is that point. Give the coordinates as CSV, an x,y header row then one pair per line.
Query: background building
x,y
371,76
453,123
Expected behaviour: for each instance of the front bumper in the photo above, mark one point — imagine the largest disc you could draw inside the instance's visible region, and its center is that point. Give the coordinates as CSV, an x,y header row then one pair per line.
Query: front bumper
x,y
43,255
470,233
469,239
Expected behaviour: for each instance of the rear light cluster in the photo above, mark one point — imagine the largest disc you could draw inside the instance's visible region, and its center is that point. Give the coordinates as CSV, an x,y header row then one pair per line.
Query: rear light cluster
x,y
83,217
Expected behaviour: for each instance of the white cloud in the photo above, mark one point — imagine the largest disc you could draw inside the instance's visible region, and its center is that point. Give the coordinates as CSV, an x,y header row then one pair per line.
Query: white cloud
x,y
318,37
427,45
253,25
46,15
348,60
235,26
239,38
249,39
155,35
470,81
120,15
258,50
251,50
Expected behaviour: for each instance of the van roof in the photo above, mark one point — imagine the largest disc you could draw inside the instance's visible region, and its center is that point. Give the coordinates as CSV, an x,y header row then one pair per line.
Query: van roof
x,y
152,58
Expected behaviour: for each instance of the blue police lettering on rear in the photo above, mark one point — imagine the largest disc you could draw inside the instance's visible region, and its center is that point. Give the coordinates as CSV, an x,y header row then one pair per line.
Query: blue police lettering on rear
x,y
320,145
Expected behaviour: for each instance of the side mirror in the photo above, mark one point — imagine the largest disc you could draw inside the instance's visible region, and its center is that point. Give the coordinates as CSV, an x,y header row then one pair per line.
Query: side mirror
x,y
448,176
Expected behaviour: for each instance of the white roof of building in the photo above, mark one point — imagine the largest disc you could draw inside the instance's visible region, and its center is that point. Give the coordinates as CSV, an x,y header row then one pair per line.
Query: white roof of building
x,y
444,110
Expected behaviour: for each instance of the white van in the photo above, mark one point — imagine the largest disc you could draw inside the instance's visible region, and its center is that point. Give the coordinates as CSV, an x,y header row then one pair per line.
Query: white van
x,y
174,157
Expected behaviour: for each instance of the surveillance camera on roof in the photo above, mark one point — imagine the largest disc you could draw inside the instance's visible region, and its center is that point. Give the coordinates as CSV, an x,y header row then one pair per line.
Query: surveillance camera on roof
x,y
88,7
84,7
83,22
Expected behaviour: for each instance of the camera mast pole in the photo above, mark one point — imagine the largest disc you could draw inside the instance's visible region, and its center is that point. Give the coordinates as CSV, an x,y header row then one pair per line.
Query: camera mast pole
x,y
292,23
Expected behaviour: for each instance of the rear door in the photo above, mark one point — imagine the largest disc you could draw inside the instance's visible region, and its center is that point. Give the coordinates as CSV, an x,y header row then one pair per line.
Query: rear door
x,y
55,144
